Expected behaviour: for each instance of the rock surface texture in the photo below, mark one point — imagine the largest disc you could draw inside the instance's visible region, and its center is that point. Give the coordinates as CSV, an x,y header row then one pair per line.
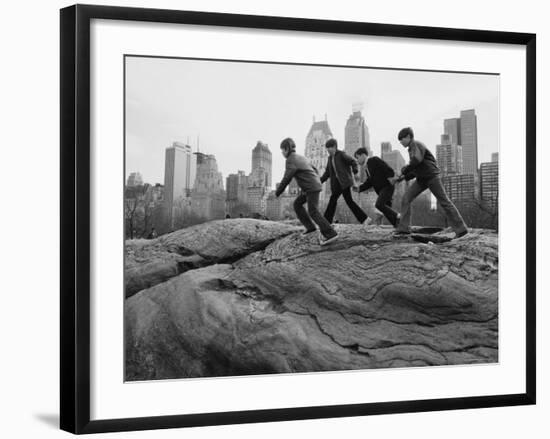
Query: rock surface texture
x,y
149,262
241,297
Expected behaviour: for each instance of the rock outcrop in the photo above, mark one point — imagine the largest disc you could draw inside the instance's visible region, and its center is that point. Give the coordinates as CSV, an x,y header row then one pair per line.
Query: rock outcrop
x,y
149,262
265,299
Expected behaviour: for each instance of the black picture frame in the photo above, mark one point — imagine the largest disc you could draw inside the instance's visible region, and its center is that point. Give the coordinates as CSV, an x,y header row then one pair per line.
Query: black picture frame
x,y
75,217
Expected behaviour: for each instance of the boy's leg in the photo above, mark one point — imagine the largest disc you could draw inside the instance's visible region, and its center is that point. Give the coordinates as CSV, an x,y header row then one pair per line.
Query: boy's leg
x,y
354,207
383,204
301,212
313,208
331,207
414,191
452,213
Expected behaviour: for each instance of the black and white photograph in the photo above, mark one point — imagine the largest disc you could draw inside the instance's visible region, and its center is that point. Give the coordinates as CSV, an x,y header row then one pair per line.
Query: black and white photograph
x,y
275,219
285,218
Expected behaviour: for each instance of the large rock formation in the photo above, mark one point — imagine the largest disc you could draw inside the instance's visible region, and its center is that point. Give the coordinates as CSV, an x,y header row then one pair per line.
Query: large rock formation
x,y
149,262
266,299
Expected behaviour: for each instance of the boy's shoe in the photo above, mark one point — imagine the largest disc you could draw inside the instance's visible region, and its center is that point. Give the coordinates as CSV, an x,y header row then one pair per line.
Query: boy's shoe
x,y
324,240
307,232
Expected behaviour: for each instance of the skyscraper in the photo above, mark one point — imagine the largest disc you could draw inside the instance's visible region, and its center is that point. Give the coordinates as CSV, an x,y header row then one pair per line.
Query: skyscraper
x,y
134,179
208,178
488,173
236,190
256,198
449,156
273,206
232,186
356,132
451,127
468,140
396,162
278,208
385,147
356,135
394,159
316,138
316,152
259,180
179,176
208,196
459,188
494,157
261,159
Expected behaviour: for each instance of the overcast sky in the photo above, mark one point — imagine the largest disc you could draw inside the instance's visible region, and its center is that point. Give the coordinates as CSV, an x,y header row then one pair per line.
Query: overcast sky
x,y
232,105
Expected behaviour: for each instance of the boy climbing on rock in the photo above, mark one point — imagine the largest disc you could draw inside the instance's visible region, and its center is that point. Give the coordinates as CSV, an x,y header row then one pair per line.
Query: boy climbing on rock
x,y
380,176
423,167
308,180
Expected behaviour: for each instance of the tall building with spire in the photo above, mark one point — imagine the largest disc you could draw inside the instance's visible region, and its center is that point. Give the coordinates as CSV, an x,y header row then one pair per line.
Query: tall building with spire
x,y
356,135
356,131
208,178
179,176
208,195
316,152
317,136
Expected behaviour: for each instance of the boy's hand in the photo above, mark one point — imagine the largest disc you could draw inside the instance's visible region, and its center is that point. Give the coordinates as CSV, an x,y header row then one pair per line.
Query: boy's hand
x,y
393,180
399,178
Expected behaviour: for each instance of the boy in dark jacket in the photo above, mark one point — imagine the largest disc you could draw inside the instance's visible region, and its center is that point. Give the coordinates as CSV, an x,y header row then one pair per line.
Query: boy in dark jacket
x,y
381,177
339,169
306,176
423,167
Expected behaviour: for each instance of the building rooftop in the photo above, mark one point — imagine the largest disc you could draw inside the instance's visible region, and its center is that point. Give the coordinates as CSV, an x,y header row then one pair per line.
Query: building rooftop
x,y
261,145
179,145
356,117
321,125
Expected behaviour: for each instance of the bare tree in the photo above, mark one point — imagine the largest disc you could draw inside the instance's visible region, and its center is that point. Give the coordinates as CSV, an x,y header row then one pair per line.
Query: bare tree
x,y
130,208
133,203
239,209
479,213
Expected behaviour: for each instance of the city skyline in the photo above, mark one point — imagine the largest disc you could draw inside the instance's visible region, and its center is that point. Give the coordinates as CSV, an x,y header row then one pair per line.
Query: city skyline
x,y
176,100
